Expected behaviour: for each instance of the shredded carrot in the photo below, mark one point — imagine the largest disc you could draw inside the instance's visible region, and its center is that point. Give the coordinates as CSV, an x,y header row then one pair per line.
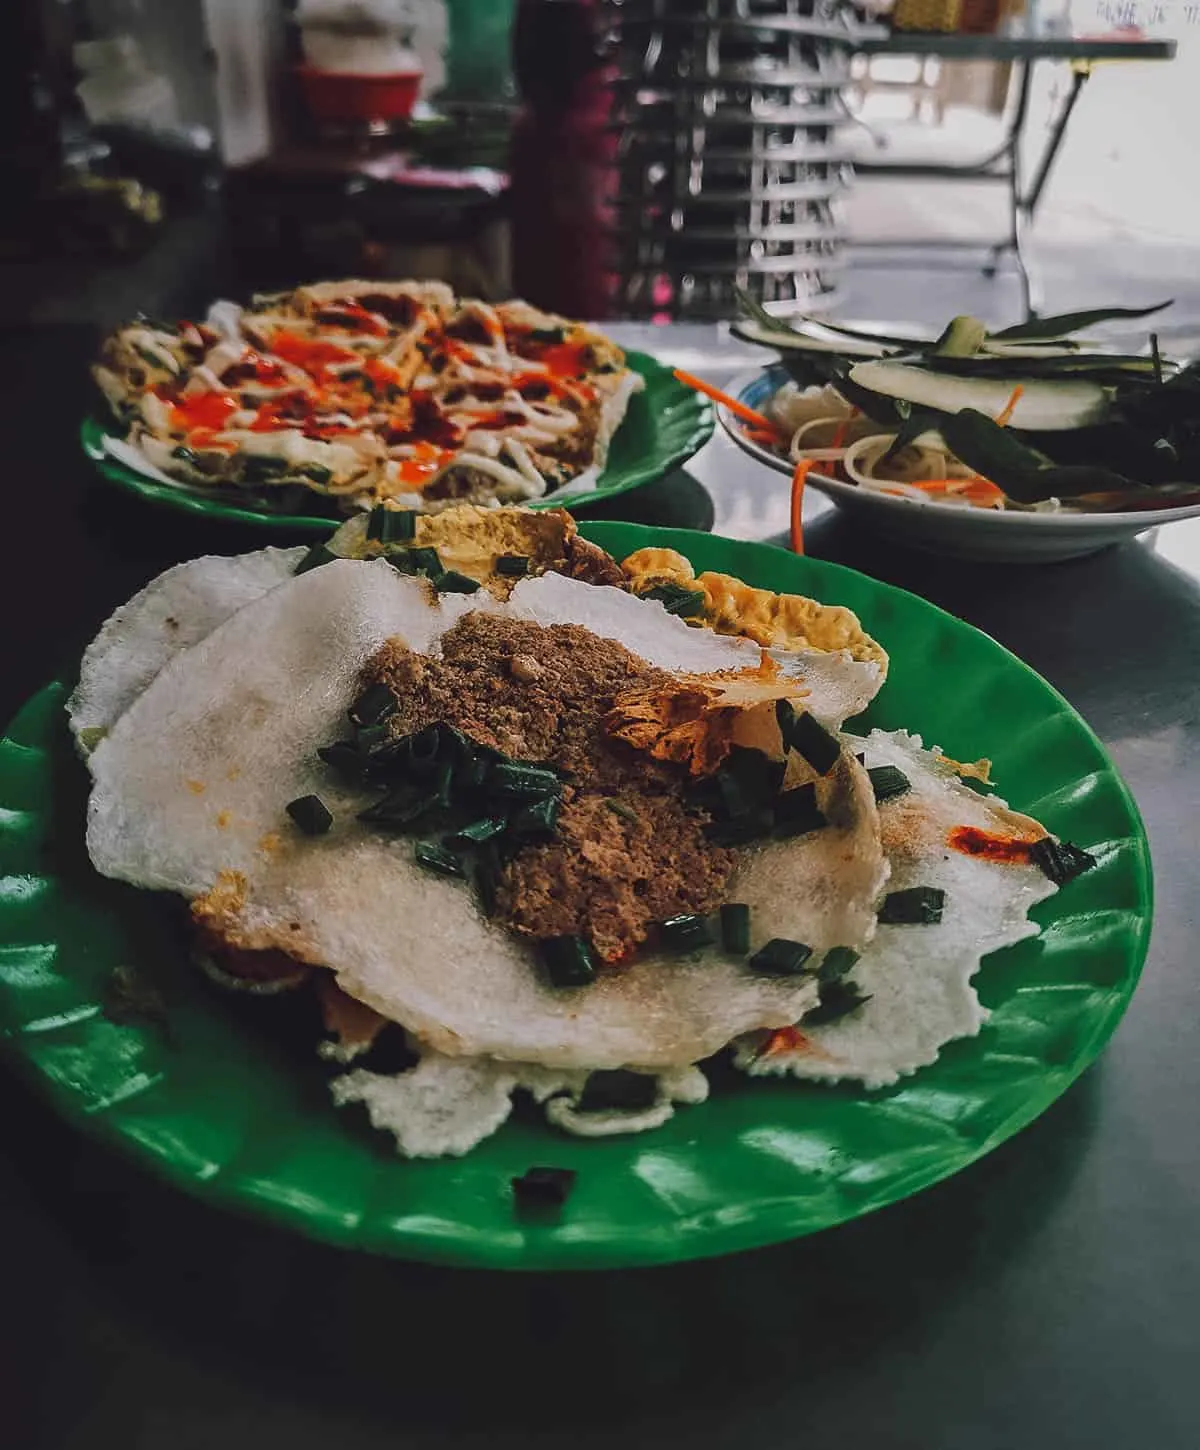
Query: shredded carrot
x,y
760,435
799,474
839,433
1004,416
977,489
739,410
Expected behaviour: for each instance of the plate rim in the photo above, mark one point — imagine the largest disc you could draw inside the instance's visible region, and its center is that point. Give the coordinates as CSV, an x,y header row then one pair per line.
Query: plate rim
x,y
702,1235
686,412
985,520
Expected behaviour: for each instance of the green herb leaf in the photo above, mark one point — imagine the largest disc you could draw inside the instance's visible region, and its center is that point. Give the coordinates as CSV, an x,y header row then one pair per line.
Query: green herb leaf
x,y
512,566
1065,323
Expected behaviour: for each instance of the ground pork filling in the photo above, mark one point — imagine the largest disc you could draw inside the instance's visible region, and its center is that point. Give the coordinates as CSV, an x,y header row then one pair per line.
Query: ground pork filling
x,y
628,852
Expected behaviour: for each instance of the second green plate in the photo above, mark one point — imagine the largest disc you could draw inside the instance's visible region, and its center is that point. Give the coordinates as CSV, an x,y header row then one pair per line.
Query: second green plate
x,y
228,1110
664,425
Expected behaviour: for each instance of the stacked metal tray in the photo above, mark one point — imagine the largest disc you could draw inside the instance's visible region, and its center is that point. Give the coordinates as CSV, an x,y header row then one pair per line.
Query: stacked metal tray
x,y
729,162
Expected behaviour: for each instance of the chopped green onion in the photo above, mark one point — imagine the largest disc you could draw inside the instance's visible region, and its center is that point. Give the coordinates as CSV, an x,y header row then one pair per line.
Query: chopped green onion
x,y
619,808
315,557
423,560
484,829
515,781
543,1188
373,706
838,999
741,830
512,566
917,906
808,737
780,958
618,1088
369,738
487,878
311,814
888,782
797,812
735,927
185,455
344,757
391,526
258,469
757,774
675,599
424,745
452,582
536,821
437,859
1060,860
837,962
685,933
568,961
399,809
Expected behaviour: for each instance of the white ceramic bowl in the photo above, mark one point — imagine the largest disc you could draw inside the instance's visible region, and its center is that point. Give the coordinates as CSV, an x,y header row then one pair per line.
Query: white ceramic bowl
x,y
965,533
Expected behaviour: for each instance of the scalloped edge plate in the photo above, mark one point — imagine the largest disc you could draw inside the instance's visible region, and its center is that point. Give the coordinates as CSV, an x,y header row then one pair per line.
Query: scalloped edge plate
x,y
229,1112
964,533
665,425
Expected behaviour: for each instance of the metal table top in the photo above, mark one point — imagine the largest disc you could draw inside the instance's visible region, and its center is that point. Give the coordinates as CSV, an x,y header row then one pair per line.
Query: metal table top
x,y
1045,1297
1017,44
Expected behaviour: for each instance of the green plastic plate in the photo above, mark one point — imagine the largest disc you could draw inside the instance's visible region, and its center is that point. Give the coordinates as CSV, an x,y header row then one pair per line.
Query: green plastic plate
x,y
664,425
230,1108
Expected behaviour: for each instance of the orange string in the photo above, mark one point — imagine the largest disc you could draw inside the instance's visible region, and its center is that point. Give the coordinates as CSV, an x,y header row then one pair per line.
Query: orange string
x,y
739,410
799,474
1004,416
839,433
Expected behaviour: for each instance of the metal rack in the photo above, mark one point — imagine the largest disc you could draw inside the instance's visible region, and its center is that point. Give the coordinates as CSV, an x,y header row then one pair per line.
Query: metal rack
x,y
729,161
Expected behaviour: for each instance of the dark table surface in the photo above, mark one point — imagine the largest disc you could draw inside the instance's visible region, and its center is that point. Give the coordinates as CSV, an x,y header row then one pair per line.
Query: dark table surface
x,y
1046,1297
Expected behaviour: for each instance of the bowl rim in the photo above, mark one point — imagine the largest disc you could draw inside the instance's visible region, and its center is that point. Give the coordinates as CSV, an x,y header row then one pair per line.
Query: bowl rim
x,y
1121,520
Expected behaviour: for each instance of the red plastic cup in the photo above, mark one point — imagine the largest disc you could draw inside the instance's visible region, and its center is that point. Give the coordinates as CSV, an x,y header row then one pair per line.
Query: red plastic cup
x,y
341,96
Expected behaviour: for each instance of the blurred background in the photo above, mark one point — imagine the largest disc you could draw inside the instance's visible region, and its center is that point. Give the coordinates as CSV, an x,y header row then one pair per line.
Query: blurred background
x,y
606,158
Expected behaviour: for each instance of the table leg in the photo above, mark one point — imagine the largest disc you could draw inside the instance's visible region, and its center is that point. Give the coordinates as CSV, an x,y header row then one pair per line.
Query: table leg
x,y
1028,202
1010,152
